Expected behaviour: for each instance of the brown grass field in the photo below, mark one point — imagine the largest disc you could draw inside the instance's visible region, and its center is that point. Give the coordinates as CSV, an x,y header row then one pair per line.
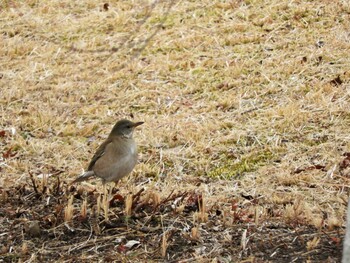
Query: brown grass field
x,y
245,150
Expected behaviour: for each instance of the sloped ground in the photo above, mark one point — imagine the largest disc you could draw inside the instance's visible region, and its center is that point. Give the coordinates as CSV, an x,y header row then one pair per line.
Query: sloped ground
x,y
244,154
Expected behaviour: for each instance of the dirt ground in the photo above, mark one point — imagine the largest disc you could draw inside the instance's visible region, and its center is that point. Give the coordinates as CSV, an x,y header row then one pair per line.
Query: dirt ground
x,y
35,228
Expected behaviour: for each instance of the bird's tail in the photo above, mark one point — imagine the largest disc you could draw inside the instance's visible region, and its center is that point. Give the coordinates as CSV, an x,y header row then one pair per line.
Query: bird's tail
x,y
83,177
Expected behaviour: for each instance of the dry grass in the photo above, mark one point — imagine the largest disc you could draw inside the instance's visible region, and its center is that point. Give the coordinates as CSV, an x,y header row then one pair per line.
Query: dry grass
x,y
245,103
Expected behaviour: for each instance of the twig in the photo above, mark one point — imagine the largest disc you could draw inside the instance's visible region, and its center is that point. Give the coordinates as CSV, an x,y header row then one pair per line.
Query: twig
x,y
170,198
33,182
58,185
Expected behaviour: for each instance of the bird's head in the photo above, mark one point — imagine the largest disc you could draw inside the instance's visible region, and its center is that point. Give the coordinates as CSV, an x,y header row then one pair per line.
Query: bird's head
x,y
124,128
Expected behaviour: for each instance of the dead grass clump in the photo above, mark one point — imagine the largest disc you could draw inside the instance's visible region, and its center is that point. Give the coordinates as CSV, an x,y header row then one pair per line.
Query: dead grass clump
x,y
128,205
83,210
301,212
69,210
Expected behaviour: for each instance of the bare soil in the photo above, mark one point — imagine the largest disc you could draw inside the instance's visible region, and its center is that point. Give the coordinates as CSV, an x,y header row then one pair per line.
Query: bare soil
x,y
34,228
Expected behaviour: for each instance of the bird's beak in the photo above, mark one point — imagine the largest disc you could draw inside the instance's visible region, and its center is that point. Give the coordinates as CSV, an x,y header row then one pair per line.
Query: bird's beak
x,y
138,123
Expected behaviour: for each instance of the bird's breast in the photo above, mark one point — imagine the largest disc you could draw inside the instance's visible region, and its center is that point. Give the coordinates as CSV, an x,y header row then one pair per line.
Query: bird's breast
x,y
118,161
133,149
126,151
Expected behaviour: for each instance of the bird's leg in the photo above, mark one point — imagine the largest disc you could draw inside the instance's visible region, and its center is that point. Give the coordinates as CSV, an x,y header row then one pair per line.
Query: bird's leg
x,y
104,189
110,191
105,201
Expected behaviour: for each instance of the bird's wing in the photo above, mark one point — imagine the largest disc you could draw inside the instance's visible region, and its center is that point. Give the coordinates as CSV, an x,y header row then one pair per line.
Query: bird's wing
x,y
99,152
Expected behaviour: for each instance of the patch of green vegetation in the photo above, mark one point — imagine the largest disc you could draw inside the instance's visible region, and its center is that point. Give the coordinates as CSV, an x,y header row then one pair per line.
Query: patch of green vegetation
x,y
68,38
246,164
167,21
316,140
198,71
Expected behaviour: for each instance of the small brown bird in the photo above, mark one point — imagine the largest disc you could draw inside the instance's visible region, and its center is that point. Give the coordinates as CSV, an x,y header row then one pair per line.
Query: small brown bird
x,y
116,157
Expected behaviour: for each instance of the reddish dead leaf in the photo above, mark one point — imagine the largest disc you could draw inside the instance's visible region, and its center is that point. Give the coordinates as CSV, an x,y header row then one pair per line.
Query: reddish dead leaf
x,y
194,199
58,209
193,202
122,249
7,154
221,85
82,218
242,216
336,240
115,200
345,162
118,197
2,133
234,205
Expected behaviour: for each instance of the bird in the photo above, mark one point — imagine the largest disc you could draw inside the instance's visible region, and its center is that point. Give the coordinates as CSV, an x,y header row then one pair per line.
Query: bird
x,y
117,155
